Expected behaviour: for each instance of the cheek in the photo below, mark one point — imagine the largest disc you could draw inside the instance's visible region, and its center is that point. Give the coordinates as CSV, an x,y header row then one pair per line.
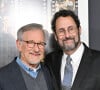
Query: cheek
x,y
77,37
24,50
60,38
43,51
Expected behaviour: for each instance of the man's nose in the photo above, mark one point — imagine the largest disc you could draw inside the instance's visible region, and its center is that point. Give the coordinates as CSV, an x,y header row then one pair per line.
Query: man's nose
x,y
36,47
67,34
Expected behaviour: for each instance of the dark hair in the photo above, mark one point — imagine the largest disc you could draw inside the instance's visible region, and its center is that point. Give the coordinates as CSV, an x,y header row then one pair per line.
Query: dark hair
x,y
64,13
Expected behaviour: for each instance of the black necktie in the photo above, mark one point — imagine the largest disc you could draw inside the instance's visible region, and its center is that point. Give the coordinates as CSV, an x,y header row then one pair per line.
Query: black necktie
x,y
68,74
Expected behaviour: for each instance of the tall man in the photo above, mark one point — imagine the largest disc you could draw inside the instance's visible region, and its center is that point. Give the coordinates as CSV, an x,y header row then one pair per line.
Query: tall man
x,y
27,71
84,73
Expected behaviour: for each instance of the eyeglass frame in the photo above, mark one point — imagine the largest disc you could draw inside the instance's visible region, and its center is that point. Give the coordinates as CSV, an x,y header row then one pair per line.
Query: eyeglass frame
x,y
70,29
40,45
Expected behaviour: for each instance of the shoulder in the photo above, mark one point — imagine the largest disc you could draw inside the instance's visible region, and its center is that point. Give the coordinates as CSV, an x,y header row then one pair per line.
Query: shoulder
x,y
46,69
90,51
93,56
55,53
8,68
54,58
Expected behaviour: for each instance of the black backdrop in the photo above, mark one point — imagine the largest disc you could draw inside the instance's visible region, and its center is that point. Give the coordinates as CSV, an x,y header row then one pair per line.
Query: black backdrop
x,y
94,24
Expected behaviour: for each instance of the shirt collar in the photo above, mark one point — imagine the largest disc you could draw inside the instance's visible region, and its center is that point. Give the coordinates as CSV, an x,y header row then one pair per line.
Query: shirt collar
x,y
25,67
77,55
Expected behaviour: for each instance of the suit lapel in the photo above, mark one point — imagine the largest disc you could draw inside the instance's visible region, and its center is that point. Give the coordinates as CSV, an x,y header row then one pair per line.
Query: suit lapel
x,y
57,67
17,78
47,76
84,67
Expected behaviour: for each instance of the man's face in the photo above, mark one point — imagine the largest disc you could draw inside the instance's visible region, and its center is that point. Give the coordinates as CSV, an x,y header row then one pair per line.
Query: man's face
x,y
31,47
67,33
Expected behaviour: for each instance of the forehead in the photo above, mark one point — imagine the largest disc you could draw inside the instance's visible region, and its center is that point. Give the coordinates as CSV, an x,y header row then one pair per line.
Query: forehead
x,y
68,20
35,34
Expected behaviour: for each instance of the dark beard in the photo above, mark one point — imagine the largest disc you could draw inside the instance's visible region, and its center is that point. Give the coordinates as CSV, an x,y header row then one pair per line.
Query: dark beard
x,y
69,48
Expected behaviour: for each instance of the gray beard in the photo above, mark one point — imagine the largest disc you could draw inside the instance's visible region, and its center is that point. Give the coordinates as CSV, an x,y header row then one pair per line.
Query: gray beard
x,y
69,48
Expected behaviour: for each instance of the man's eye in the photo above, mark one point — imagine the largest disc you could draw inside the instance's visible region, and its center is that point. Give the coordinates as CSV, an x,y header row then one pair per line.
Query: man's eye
x,y
71,28
29,42
42,43
61,30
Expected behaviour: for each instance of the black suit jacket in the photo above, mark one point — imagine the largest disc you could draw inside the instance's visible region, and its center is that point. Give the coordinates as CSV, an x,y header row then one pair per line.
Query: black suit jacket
x,y
88,74
11,78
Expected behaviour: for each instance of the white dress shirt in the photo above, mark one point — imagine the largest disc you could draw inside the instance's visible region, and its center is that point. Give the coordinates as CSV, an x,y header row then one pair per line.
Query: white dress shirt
x,y
76,58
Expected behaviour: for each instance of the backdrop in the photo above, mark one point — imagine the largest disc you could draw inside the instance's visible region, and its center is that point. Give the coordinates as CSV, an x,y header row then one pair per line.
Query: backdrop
x,y
16,13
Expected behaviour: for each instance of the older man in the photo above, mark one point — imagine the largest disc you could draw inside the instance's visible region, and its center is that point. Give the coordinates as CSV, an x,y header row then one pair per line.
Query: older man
x,y
27,71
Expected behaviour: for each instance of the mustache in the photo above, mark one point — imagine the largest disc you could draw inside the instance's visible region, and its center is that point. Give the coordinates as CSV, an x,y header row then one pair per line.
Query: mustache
x,y
35,52
65,39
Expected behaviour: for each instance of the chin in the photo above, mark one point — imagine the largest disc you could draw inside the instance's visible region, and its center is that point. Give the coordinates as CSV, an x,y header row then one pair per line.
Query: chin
x,y
36,62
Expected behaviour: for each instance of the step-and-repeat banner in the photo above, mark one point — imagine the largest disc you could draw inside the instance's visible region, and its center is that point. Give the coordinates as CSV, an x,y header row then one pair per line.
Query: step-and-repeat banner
x,y
16,13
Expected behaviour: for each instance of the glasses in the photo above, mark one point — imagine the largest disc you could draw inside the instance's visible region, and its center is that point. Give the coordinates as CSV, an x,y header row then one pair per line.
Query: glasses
x,y
70,29
31,44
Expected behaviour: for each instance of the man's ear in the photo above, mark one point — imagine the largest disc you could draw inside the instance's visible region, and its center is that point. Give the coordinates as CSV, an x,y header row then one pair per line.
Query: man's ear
x,y
18,44
80,30
55,36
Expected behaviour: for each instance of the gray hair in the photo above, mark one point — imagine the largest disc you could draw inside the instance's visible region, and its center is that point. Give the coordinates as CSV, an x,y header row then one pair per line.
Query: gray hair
x,y
28,27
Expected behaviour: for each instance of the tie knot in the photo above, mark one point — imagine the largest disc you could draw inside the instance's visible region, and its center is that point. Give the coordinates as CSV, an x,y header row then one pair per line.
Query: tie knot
x,y
68,59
